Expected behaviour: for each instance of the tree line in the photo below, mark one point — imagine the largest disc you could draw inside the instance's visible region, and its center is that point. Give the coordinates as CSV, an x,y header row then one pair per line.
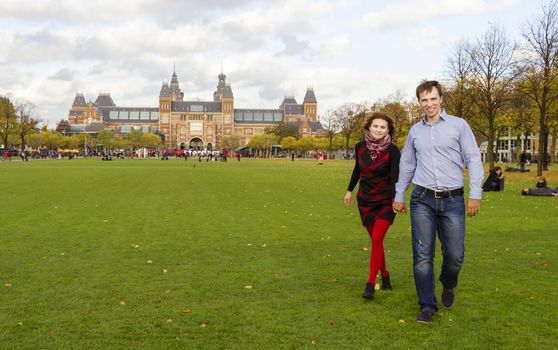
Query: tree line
x,y
18,128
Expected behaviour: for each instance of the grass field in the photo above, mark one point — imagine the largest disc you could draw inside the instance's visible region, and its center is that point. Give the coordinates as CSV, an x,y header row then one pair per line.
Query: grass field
x,y
257,254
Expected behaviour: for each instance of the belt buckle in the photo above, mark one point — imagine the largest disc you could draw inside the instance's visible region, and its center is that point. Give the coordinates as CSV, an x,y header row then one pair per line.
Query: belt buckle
x,y
436,196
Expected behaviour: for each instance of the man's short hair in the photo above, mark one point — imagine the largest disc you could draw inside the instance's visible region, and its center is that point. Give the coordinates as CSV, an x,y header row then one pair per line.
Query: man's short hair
x,y
427,86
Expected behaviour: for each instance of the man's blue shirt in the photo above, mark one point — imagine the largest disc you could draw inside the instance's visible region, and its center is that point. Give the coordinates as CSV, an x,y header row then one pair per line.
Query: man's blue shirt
x,y
435,155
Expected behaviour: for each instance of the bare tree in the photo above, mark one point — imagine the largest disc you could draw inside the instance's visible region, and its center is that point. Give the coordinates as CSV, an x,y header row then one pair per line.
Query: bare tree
x,y
25,122
331,127
493,74
541,77
349,117
457,97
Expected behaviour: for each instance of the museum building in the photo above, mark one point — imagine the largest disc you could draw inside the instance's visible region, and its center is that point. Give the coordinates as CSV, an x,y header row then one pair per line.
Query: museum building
x,y
191,124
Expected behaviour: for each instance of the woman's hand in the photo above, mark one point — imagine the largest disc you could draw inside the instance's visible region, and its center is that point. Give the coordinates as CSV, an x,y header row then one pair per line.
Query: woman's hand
x,y
348,198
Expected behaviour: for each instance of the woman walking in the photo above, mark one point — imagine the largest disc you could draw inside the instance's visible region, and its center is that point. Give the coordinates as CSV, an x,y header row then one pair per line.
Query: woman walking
x,y
377,169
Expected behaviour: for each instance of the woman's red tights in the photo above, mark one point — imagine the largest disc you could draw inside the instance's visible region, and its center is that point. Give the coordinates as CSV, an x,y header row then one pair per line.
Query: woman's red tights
x,y
377,255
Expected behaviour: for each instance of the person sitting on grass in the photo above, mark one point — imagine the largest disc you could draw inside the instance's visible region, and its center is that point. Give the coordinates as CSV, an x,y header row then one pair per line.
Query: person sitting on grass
x,y
541,182
495,181
540,192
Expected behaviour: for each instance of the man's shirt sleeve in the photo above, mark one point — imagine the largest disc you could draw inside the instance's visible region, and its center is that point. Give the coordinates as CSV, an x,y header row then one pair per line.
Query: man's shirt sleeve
x,y
472,158
407,166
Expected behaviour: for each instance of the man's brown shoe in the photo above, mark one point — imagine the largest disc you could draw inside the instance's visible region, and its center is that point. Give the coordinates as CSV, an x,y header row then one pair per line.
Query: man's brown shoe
x,y
448,296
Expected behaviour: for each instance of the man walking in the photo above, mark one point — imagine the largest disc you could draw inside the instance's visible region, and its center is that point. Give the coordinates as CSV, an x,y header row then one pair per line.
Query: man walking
x,y
436,151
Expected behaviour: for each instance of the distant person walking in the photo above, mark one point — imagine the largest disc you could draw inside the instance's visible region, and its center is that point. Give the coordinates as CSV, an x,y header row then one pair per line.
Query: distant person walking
x,y
377,170
522,161
437,149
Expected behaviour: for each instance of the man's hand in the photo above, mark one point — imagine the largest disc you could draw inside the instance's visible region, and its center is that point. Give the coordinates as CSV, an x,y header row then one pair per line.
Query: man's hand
x,y
399,207
348,198
473,207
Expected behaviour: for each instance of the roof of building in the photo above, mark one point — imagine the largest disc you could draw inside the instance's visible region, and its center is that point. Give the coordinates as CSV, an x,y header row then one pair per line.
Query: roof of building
x,y
196,106
315,126
292,109
310,97
288,100
94,127
104,100
79,101
166,91
75,113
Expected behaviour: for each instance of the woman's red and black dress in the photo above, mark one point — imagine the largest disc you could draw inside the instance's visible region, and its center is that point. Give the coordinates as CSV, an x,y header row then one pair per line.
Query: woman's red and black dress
x,y
377,183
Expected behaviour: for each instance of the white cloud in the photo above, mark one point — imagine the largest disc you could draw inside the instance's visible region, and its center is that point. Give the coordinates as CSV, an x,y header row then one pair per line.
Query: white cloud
x,y
53,48
335,47
417,11
427,37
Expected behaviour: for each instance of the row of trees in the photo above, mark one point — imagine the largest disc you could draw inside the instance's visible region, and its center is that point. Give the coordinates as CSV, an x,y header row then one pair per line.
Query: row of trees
x,y
16,121
106,139
498,84
19,128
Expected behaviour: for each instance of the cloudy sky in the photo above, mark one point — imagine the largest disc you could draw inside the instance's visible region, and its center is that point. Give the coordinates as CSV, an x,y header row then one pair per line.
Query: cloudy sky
x,y
347,50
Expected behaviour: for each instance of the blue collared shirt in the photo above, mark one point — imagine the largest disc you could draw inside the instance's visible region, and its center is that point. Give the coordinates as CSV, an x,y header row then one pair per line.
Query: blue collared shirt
x,y
435,155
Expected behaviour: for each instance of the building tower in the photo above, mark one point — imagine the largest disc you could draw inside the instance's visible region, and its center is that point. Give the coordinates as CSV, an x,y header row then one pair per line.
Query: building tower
x,y
224,94
310,105
168,94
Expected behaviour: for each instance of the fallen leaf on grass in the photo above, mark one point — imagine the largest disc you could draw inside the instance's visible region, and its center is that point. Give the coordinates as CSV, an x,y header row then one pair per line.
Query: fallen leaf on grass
x,y
497,290
186,311
62,254
248,286
122,302
401,321
364,248
332,322
377,286
167,291
165,270
203,325
314,342
169,320
7,285
135,246
149,261
20,323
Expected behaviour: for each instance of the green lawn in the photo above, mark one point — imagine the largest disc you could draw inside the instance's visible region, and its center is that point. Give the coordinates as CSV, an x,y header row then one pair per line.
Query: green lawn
x,y
256,254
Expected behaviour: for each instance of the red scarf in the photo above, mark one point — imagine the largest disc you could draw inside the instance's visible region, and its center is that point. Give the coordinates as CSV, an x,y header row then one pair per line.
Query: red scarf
x,y
376,146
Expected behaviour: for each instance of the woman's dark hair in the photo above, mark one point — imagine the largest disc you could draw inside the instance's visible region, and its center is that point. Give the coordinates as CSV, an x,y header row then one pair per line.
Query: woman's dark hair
x,y
497,168
379,115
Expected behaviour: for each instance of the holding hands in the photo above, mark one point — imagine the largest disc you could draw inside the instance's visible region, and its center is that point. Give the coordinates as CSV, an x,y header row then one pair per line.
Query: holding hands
x,y
399,207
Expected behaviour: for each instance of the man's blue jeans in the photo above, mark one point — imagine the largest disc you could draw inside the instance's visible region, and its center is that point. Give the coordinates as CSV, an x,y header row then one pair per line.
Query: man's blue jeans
x,y
428,215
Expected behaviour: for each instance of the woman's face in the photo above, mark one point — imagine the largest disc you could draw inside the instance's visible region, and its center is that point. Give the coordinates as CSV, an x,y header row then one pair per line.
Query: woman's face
x,y
379,128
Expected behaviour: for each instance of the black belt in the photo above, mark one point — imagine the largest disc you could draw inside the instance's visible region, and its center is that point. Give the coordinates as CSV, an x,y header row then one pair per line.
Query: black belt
x,y
440,193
